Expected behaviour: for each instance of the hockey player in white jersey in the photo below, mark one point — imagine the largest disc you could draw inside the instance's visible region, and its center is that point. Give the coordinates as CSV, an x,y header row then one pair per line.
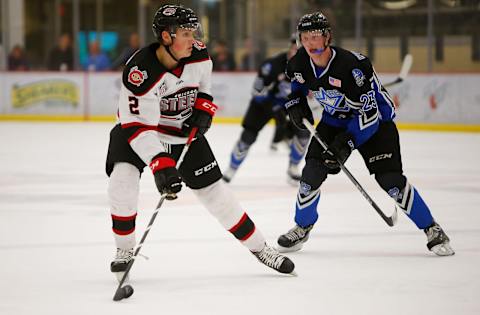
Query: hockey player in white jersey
x,y
164,95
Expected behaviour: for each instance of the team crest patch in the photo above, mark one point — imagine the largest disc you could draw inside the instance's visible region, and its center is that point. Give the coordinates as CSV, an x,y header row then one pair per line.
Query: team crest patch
x,y
136,77
305,188
299,77
358,76
266,68
199,45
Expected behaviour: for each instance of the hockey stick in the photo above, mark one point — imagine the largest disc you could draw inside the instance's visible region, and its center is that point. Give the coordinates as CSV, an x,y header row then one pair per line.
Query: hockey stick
x,y
125,292
390,220
406,65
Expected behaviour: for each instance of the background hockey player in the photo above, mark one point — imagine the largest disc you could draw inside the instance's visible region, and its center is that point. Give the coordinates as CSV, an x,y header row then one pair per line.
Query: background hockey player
x,y
358,114
165,93
270,92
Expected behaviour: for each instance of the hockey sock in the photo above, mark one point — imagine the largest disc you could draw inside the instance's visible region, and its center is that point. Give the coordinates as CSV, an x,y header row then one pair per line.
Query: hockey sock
x,y
222,204
124,231
239,154
297,149
123,188
306,206
410,201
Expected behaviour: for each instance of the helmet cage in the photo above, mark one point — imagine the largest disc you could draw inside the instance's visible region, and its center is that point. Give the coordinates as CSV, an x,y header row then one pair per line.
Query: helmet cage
x,y
320,32
314,23
195,27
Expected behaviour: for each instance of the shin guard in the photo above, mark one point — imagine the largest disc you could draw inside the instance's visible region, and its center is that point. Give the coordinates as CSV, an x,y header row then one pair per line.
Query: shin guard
x,y
222,204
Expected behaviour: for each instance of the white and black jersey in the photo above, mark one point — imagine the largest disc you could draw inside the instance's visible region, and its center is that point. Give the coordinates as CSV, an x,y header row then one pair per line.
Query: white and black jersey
x,y
154,101
347,88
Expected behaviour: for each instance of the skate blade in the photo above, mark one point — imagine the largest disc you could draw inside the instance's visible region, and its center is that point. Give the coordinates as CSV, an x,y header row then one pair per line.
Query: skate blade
x,y
293,274
294,248
119,277
443,250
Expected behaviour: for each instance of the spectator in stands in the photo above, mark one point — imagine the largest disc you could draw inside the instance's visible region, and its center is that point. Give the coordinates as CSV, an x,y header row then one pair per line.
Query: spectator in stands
x,y
97,60
253,55
222,58
127,52
17,61
60,57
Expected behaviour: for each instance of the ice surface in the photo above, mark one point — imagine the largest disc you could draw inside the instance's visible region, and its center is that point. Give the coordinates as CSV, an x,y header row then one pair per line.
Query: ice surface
x,y
56,242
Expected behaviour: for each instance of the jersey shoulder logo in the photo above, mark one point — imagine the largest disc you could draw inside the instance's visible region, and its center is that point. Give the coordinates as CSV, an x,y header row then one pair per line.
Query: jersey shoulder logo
x,y
298,76
358,55
266,68
199,45
137,77
358,76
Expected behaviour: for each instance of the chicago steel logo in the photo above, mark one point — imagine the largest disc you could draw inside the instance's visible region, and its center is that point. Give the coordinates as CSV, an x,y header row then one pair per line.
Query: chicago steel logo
x,y
52,92
169,11
136,77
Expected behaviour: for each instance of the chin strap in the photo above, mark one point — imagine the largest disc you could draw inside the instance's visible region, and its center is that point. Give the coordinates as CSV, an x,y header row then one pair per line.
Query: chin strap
x,y
170,53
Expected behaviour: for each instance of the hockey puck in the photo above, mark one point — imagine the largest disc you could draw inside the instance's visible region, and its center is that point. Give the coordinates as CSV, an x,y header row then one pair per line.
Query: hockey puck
x,y
128,289
123,293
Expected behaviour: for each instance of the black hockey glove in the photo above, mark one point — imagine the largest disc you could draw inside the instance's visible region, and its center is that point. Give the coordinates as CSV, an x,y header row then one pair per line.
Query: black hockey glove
x,y
297,108
339,149
201,117
166,176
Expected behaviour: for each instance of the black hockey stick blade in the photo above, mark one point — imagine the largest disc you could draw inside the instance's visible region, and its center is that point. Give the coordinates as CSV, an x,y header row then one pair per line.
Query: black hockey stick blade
x,y
390,220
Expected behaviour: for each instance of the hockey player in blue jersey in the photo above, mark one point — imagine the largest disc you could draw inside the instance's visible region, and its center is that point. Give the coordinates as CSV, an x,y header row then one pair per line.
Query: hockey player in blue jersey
x,y
358,114
270,92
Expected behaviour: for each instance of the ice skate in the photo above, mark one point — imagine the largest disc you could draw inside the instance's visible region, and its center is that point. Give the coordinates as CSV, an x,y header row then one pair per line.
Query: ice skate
x,y
293,240
294,174
270,257
119,265
228,174
438,241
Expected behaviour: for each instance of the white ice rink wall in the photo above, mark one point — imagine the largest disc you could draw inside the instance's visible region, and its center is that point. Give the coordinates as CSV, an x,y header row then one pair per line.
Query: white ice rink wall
x,y
421,99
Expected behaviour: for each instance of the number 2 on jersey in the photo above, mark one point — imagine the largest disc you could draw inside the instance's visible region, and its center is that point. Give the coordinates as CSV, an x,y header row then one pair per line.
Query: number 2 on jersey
x,y
133,104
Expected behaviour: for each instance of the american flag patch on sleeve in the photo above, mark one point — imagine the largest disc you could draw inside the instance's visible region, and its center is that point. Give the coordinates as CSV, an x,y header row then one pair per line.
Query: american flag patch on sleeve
x,y
335,82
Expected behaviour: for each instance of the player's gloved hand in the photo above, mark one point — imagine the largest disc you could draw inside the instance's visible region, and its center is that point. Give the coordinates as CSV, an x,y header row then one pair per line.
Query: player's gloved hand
x,y
297,108
166,176
201,117
339,150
